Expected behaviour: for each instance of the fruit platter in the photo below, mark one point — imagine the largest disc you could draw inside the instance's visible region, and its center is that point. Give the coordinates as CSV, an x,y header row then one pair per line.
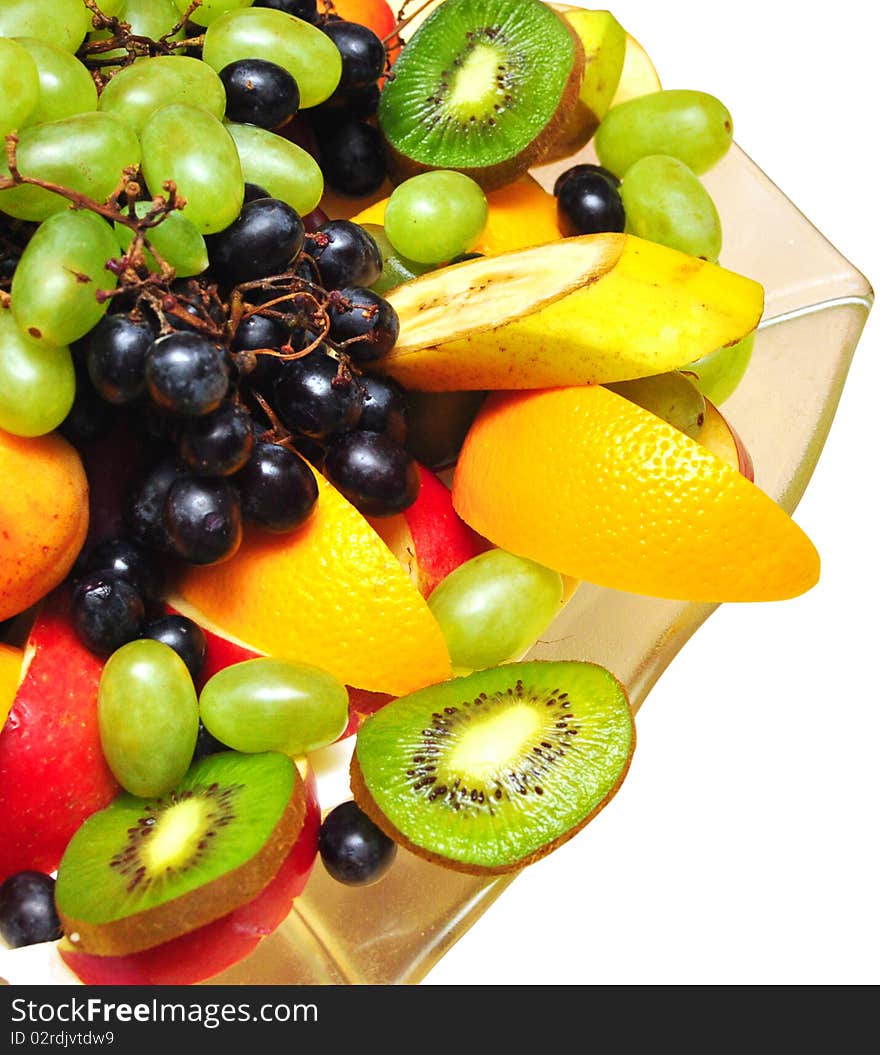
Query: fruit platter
x,y
382,408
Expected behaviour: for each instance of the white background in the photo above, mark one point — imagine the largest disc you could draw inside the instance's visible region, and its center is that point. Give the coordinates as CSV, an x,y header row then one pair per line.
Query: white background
x,y
743,845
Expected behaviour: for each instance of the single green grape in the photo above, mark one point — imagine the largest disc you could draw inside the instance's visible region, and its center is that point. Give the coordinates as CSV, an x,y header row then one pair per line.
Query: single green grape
x,y
59,274
66,86
666,203
284,169
692,126
86,152
274,705
176,240
264,33
60,22
111,8
148,717
718,374
396,269
37,381
19,86
436,216
493,607
191,147
147,18
138,91
672,397
210,10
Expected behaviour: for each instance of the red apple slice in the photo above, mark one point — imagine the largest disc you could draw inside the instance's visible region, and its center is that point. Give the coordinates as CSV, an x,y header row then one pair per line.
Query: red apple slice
x,y
430,539
205,952
720,437
52,770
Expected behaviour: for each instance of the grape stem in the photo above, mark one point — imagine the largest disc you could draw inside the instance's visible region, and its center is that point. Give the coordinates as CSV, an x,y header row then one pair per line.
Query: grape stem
x,y
135,45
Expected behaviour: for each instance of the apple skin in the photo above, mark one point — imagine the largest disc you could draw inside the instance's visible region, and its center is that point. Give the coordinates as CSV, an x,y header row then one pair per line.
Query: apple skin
x,y
205,952
722,439
53,770
430,539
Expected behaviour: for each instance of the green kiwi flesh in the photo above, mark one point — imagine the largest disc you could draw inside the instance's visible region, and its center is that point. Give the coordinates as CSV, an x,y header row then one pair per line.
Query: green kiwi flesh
x,y
143,871
483,87
489,772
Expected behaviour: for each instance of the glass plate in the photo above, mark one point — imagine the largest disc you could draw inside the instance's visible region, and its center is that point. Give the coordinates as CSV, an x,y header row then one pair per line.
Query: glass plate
x,y
394,932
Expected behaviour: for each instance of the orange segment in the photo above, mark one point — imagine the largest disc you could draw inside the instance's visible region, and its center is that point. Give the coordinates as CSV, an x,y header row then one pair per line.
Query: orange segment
x,y
585,482
521,215
10,674
331,594
44,516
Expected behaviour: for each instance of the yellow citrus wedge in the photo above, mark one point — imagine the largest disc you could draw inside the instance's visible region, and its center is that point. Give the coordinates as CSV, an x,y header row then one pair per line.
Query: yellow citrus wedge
x,y
594,486
522,214
10,675
331,594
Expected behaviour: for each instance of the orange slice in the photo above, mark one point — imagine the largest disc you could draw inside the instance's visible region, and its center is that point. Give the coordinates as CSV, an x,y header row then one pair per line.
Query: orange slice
x,y
521,215
597,488
10,675
331,594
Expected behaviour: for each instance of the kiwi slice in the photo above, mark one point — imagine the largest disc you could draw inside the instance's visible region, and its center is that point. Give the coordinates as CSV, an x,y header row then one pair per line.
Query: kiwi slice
x,y
141,872
489,772
483,86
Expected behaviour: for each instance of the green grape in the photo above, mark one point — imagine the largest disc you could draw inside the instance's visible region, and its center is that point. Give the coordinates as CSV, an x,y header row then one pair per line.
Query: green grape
x,y
396,269
263,33
86,153
66,86
285,170
211,10
175,239
139,90
60,22
694,127
148,717
37,381
61,270
19,86
493,607
274,705
671,397
666,203
111,8
436,216
191,147
147,18
718,374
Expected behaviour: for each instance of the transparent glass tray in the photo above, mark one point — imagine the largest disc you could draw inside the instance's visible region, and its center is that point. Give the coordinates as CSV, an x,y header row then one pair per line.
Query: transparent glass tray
x,y
395,931
816,307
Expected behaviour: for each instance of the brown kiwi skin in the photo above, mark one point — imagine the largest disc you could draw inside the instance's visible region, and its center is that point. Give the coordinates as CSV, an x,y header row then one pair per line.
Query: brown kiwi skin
x,y
367,803
155,926
492,177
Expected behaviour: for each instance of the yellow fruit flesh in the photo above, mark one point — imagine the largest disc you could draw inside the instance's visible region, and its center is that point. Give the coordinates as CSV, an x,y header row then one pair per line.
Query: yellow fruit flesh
x,y
590,484
10,675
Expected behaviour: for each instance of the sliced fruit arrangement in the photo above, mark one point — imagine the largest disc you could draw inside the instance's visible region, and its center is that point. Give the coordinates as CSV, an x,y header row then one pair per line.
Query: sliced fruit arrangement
x,y
488,773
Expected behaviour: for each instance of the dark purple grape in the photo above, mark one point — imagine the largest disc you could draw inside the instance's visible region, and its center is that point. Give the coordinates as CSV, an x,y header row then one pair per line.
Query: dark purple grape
x,y
589,204
586,171
202,516
358,102
278,490
143,509
259,92
125,559
187,374
314,398
107,612
384,408
307,10
368,328
346,255
90,417
352,157
206,744
219,443
373,472
352,848
184,636
263,241
259,331
363,53
252,191
117,351
198,304
27,909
